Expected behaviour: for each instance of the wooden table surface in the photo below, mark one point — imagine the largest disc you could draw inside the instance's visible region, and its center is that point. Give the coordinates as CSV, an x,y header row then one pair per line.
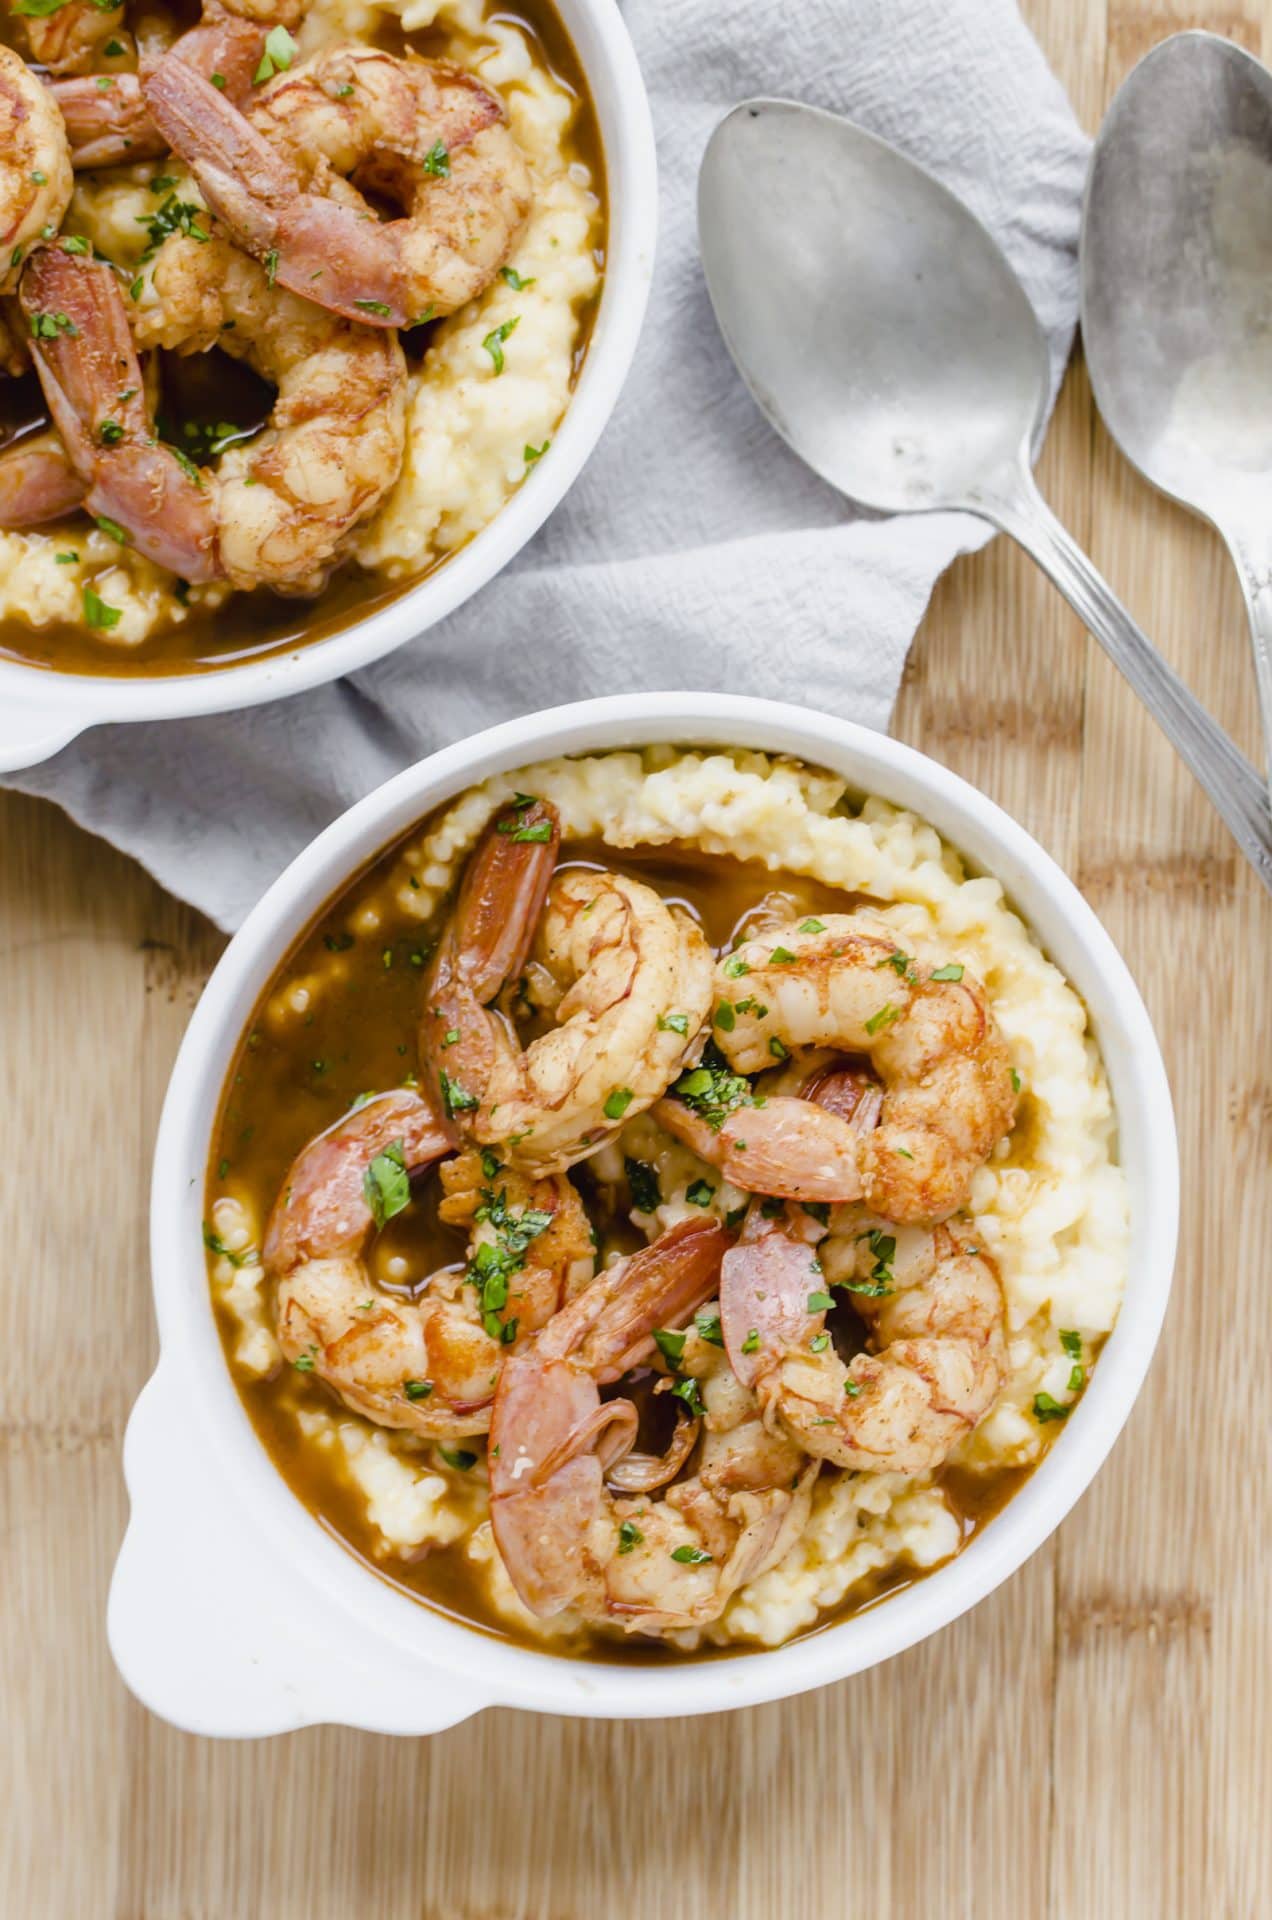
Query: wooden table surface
x,y
1094,1740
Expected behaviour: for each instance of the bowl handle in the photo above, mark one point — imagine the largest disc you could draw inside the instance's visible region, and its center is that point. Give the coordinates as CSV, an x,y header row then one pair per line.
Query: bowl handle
x,y
223,1640
30,732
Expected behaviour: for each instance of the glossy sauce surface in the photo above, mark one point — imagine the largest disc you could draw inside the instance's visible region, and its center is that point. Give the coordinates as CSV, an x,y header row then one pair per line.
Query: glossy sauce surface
x,y
359,1036
212,390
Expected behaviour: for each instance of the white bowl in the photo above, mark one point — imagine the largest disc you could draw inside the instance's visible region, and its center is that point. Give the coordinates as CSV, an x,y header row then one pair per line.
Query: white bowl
x,y
41,710
232,1610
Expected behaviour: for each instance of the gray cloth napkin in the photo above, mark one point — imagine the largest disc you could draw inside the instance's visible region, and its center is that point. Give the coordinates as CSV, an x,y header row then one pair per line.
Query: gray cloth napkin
x,y
695,551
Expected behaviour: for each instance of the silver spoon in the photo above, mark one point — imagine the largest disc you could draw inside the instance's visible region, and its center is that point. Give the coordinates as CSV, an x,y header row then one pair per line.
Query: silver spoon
x,y
1177,296
886,338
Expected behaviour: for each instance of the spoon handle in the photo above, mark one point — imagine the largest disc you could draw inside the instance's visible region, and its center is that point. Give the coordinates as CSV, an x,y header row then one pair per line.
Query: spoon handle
x,y
1239,795
1251,549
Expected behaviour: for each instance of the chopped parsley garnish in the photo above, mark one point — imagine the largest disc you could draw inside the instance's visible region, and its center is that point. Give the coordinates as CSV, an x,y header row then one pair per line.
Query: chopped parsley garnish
x,y
110,433
1045,1408
673,1023
494,1264
171,216
72,243
513,278
214,1244
1015,1081
700,1193
852,1388
712,1089
437,161
643,1181
617,1103
819,1302
342,93
186,465
734,967
66,559
385,1185
137,287
458,1457
781,957
97,613
819,1342
454,1098
1072,1344
36,9
378,307
951,972
811,925
491,1165
417,1389
47,326
901,963
884,1018
752,1342
690,1556
707,1321
776,1048
218,81
271,266
493,343
629,1536
305,1364
670,1345
280,51
883,1246
112,528
686,1391
531,454
725,1018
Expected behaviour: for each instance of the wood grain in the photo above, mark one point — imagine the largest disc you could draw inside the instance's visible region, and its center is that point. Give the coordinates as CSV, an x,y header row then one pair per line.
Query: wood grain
x,y
1093,1741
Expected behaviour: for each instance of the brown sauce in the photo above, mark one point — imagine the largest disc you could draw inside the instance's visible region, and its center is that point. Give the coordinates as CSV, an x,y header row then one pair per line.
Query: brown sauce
x,y
251,626
358,1036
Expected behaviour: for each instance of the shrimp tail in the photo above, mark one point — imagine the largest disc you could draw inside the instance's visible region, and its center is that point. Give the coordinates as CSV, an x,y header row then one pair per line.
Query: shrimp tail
x,y
300,237
106,127
37,483
92,380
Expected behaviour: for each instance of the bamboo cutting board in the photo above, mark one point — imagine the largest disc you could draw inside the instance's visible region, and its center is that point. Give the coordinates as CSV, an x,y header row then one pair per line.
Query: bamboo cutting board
x,y
1093,1741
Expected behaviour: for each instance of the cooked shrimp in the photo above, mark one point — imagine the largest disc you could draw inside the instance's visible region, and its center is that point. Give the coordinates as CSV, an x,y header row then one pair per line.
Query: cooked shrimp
x,y
286,178
928,1031
37,482
107,119
35,166
934,1305
795,1148
275,513
71,37
564,1537
92,381
429,1363
625,978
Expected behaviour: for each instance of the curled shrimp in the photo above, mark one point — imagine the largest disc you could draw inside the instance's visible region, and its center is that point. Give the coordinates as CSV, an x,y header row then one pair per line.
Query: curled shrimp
x,y
107,119
932,1041
286,178
72,37
933,1303
624,978
276,512
426,1364
35,166
567,1539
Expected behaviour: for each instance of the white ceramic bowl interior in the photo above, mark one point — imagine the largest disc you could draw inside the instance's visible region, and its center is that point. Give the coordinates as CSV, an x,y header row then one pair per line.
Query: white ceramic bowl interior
x,y
233,1611
41,710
